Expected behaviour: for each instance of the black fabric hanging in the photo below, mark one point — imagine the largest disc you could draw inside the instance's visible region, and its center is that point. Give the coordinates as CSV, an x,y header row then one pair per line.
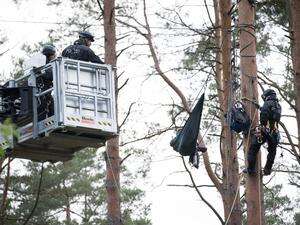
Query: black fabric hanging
x,y
185,141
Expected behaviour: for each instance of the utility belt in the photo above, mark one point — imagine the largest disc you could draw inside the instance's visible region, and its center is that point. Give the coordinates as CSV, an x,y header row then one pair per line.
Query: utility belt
x,y
263,133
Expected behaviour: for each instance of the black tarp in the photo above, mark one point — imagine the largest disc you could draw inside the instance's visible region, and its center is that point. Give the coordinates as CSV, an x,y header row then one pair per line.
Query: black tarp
x,y
185,141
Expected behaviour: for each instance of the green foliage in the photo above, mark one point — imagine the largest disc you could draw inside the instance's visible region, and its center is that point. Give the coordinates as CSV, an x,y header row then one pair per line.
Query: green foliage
x,y
278,207
201,53
270,14
297,219
275,11
78,186
8,132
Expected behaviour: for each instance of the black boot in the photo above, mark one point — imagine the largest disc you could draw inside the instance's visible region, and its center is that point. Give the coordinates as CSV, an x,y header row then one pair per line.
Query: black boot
x,y
267,171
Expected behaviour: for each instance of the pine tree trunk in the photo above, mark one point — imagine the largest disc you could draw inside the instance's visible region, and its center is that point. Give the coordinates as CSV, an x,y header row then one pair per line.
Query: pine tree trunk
x,y
230,195
4,196
254,191
112,148
68,213
295,8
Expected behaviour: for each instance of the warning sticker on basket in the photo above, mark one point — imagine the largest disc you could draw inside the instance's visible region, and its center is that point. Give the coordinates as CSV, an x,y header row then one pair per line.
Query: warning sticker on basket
x,y
87,120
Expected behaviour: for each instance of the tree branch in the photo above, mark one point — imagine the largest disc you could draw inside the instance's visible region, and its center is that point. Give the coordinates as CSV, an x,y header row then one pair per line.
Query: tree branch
x,y
127,114
199,193
181,96
127,156
123,85
157,64
211,173
297,155
282,92
189,186
149,136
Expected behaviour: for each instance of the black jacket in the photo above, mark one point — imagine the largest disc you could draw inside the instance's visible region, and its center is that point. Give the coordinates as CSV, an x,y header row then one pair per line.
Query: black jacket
x,y
270,111
81,52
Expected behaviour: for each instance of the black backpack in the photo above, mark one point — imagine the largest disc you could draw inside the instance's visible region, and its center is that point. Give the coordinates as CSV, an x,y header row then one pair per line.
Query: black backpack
x,y
275,111
239,120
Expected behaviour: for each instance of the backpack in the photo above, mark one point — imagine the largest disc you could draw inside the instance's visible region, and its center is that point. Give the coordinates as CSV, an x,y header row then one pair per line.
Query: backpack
x,y
275,111
239,120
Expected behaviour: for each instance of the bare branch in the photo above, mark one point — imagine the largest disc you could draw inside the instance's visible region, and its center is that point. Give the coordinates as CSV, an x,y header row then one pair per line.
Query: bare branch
x,y
181,96
287,171
149,136
297,155
157,64
211,173
199,193
127,115
190,186
123,85
124,36
2,53
121,74
127,156
282,92
124,49
163,180
75,213
132,26
208,13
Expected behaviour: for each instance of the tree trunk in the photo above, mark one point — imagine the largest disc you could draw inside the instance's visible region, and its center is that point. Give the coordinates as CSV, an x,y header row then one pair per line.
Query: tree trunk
x,y
230,194
254,191
68,207
295,33
68,213
112,148
4,197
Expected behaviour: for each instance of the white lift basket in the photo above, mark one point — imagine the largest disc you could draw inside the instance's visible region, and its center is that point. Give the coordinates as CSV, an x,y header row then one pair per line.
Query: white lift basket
x,y
83,98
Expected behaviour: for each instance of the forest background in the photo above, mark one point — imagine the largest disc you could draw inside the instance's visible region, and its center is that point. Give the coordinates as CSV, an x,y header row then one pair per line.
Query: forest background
x,y
155,185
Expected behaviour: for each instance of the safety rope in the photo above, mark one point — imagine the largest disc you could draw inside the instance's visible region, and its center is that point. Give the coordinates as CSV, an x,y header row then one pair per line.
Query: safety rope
x,y
235,198
233,86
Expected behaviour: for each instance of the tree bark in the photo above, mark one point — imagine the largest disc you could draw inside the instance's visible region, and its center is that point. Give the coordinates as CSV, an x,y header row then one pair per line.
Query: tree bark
x,y
112,147
295,35
4,197
67,206
254,191
230,194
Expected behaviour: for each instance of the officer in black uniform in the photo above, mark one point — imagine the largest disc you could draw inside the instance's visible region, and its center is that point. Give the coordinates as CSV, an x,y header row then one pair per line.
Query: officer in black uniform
x,y
50,52
80,50
270,114
44,82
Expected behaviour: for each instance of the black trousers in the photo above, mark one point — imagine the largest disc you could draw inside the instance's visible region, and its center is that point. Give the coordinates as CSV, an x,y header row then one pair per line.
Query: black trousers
x,y
272,139
46,104
46,107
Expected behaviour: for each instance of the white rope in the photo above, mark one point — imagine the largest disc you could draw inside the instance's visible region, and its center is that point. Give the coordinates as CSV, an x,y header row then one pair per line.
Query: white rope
x,y
235,198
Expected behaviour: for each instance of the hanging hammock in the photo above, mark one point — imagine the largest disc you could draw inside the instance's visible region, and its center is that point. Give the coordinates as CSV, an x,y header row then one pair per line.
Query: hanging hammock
x,y
185,141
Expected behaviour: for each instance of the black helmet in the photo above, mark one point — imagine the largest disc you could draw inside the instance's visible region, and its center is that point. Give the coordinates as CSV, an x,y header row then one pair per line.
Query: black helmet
x,y
48,50
86,34
268,93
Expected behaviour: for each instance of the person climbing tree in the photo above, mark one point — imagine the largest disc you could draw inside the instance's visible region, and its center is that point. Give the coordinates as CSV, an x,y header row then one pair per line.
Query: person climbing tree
x,y
267,131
